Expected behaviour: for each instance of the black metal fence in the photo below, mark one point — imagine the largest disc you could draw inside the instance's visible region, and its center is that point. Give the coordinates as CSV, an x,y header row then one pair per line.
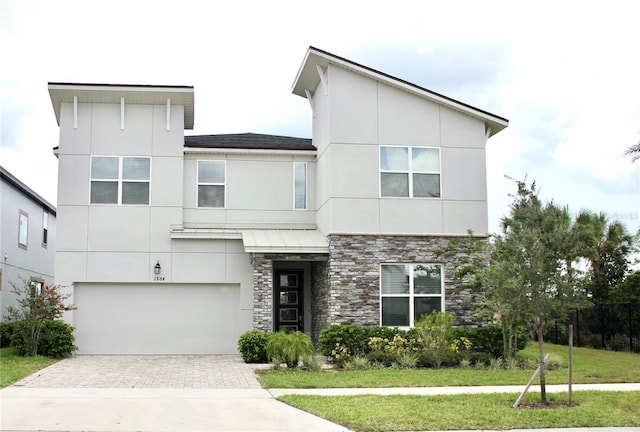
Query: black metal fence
x,y
613,326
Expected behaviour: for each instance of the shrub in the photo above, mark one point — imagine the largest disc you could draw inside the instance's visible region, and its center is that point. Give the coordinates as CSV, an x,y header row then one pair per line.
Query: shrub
x,y
312,363
489,339
351,337
6,330
382,358
439,342
253,346
57,339
35,309
407,360
289,348
383,332
357,363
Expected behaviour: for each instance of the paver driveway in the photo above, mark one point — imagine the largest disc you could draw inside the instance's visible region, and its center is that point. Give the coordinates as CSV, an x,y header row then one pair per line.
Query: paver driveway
x,y
162,371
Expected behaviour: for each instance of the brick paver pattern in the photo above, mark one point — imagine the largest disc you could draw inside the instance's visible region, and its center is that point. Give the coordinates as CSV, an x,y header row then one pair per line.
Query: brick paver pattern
x,y
158,371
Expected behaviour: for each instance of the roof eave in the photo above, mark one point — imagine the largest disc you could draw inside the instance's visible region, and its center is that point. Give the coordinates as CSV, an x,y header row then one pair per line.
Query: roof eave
x,y
111,93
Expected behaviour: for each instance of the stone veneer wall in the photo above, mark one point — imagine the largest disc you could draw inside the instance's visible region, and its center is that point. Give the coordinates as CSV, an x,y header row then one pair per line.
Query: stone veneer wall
x,y
262,292
263,285
319,298
353,291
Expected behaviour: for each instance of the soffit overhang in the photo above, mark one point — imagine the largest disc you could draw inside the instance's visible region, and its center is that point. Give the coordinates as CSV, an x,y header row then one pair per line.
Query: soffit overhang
x,y
132,94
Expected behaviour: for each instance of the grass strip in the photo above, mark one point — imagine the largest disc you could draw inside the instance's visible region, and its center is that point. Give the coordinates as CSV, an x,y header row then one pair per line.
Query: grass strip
x,y
369,413
14,367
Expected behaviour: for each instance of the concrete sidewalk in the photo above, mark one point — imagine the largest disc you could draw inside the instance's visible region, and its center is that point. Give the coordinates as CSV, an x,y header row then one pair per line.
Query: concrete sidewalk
x,y
152,410
430,391
157,410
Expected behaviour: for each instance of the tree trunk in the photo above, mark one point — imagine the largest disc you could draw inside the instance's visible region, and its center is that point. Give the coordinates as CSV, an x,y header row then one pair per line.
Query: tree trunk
x,y
543,384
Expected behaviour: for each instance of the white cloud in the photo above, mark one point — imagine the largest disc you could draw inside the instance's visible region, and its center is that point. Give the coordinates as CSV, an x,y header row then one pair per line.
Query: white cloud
x,y
564,73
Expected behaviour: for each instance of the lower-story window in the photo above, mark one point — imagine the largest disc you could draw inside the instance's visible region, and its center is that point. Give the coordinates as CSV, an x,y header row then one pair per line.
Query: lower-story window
x,y
408,291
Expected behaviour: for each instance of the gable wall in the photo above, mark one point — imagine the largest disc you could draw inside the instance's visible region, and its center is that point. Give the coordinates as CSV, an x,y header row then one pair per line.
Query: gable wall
x,y
357,116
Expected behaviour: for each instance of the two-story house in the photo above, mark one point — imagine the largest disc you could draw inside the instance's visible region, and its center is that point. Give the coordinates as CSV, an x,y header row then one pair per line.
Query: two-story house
x,y
27,239
179,244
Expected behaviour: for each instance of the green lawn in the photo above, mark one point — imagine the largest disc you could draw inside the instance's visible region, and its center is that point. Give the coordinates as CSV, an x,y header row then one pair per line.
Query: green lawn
x,y
590,366
14,367
368,413
371,413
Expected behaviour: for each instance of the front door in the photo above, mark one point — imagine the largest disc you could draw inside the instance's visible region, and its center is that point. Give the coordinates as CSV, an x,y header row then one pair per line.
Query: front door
x,y
288,300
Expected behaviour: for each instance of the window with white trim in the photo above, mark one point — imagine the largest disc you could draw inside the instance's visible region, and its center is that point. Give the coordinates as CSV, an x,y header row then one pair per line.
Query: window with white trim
x,y
300,185
211,183
410,172
120,180
23,229
408,291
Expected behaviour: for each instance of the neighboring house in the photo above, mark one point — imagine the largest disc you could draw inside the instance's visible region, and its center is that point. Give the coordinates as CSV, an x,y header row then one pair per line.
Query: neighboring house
x,y
27,239
179,244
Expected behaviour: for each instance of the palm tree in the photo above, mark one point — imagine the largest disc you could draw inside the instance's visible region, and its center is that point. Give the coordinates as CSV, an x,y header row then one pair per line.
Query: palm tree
x,y
634,151
607,246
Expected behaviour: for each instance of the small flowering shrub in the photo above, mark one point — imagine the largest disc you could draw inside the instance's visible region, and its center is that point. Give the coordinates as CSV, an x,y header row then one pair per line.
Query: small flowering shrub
x,y
33,321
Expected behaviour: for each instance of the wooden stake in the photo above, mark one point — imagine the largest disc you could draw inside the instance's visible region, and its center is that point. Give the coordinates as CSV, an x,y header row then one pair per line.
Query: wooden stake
x,y
570,362
526,389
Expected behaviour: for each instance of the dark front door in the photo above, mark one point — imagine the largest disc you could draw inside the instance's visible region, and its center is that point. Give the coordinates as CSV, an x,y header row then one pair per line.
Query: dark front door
x,y
288,300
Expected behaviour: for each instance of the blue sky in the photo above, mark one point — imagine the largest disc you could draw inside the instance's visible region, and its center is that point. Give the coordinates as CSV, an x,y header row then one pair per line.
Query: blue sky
x,y
566,75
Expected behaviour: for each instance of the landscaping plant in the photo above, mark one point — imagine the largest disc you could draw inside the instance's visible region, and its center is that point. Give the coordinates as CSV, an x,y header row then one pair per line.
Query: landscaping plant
x,y
35,330
289,348
438,338
253,346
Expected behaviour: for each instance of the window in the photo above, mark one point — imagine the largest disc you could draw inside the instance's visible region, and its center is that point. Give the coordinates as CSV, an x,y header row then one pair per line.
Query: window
x,y
211,183
23,229
300,185
410,172
45,228
120,180
37,286
409,291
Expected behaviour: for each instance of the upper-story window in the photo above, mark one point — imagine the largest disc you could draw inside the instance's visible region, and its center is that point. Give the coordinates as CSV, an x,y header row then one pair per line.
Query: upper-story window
x,y
211,183
409,172
120,179
45,228
409,291
300,185
23,229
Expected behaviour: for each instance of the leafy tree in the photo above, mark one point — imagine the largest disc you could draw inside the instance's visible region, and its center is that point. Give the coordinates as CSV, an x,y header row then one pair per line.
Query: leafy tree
x,y
540,242
627,291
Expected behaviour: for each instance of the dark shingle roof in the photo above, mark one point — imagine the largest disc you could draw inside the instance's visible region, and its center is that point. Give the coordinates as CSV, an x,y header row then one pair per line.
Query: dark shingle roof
x,y
249,141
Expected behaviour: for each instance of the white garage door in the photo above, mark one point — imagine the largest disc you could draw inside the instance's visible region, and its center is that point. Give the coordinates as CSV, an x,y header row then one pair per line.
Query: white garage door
x,y
156,319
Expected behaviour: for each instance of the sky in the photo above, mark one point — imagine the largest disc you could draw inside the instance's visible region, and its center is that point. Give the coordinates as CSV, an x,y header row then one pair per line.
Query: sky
x,y
566,74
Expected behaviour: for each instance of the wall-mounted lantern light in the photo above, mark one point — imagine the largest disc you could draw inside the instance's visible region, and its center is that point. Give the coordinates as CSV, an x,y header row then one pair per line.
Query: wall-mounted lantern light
x,y
157,268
